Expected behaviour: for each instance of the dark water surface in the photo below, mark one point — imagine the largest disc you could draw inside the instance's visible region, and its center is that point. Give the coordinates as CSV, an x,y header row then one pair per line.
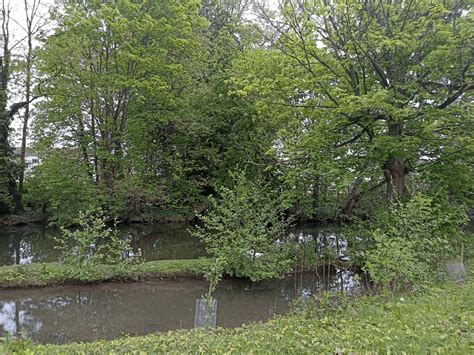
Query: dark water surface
x,y
85,313
27,244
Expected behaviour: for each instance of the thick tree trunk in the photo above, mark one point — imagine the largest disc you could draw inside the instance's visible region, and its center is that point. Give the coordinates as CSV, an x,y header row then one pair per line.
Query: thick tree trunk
x,y
395,176
395,167
353,198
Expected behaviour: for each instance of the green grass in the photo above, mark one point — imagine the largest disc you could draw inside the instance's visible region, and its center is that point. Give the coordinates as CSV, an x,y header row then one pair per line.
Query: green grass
x,y
438,321
48,274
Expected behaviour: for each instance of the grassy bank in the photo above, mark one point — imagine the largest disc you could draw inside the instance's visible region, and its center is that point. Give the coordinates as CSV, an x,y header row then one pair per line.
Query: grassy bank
x,y
439,321
48,274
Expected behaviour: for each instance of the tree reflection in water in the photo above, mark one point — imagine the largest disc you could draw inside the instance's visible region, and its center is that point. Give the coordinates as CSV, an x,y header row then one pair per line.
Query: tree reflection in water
x,y
105,311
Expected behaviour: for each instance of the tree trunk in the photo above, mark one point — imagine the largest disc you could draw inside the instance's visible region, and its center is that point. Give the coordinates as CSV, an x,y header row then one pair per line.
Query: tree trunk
x,y
395,174
94,143
31,29
6,181
26,119
315,200
395,167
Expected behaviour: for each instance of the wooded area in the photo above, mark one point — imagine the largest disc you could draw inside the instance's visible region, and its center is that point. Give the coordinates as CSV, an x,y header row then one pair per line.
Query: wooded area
x,y
324,146
145,107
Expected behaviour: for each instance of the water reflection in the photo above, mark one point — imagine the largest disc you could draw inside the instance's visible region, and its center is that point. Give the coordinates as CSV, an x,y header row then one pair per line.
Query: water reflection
x,y
318,244
86,313
26,244
163,242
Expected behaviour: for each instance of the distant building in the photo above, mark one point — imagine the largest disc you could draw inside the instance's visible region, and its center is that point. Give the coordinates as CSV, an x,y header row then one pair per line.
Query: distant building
x,y
31,158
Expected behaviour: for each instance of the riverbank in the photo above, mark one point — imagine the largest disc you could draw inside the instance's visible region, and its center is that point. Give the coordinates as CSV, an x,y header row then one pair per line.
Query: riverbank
x,y
50,274
55,274
440,320
27,218
153,217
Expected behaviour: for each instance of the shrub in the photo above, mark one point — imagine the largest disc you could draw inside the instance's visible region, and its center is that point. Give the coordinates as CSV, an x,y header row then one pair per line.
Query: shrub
x,y
90,244
213,271
393,262
62,186
405,241
242,230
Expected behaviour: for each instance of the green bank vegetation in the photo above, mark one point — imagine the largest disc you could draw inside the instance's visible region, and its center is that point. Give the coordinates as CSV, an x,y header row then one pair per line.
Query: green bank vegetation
x,y
50,274
357,112
95,252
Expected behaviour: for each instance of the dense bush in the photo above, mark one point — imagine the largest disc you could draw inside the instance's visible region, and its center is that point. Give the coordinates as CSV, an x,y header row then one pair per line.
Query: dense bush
x,y
404,242
242,230
393,262
61,185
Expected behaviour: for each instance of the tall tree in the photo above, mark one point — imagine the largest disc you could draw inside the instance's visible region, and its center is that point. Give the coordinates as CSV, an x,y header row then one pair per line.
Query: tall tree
x,y
6,191
380,83
34,25
117,69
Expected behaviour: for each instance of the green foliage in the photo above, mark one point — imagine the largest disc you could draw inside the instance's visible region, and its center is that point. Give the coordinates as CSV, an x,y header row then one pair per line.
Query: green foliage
x,y
139,92
355,110
394,264
92,241
49,274
7,184
242,229
439,321
61,185
403,243
6,200
324,304
154,102
213,271
310,253
15,346
124,88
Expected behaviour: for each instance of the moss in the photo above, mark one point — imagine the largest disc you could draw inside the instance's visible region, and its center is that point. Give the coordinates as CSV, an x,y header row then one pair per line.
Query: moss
x,y
47,274
440,321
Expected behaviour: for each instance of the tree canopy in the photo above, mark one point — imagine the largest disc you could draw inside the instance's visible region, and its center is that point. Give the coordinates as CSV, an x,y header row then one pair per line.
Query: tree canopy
x,y
339,106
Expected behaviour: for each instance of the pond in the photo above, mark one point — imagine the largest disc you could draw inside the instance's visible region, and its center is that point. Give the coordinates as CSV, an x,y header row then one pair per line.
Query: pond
x,y
86,313
27,244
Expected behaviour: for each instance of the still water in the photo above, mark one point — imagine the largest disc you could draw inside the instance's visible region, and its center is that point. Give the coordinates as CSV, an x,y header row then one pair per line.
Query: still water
x,y
85,313
27,244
